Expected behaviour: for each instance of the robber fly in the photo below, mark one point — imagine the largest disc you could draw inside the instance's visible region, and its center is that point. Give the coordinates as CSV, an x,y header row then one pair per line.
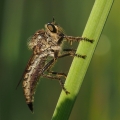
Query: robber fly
x,y
46,45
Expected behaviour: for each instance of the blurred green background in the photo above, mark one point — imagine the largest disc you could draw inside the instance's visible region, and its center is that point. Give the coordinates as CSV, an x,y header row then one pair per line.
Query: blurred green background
x,y
99,97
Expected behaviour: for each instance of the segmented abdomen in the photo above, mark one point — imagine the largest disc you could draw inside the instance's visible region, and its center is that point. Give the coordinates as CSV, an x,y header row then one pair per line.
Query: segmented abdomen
x,y
31,78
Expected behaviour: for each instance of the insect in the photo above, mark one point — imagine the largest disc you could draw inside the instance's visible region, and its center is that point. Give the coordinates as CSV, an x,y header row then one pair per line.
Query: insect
x,y
46,45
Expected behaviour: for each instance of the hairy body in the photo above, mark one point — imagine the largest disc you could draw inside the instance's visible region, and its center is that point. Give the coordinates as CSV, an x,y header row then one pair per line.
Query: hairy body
x,y
47,48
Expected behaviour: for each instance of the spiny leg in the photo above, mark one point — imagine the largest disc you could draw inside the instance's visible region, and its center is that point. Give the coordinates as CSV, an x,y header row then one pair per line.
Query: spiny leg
x,y
71,52
59,79
72,39
69,49
58,74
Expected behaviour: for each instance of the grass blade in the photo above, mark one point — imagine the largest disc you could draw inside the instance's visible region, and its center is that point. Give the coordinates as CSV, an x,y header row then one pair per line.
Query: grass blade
x,y
79,66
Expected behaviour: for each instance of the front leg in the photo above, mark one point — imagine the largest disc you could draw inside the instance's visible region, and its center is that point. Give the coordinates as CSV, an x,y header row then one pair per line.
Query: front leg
x,y
72,39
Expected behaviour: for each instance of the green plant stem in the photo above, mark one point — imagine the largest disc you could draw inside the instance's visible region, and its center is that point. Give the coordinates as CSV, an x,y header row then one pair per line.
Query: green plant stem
x,y
79,66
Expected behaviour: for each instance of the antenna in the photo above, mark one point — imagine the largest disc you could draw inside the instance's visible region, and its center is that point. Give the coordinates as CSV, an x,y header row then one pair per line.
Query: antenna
x,y
53,19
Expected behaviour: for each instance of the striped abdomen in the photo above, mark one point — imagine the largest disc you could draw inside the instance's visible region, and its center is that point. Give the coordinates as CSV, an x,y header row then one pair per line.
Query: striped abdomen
x,y
31,78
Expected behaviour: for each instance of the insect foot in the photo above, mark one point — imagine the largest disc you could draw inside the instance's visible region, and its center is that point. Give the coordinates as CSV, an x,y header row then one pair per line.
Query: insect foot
x,y
62,85
80,56
88,40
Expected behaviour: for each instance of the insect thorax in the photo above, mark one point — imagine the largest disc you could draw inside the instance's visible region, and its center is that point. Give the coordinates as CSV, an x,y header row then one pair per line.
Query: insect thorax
x,y
47,41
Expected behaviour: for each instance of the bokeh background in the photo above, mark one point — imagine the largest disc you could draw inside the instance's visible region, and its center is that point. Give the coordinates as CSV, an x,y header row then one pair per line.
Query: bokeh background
x,y
99,96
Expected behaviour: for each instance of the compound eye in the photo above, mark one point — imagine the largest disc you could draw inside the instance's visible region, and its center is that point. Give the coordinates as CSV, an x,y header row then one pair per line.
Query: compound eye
x,y
51,27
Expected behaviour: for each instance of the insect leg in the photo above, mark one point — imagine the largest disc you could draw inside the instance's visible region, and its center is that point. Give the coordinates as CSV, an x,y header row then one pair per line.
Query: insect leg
x,y
59,79
48,65
71,52
69,49
72,39
58,74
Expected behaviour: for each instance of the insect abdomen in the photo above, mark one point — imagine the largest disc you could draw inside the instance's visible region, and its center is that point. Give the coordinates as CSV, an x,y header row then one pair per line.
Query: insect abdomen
x,y
31,78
